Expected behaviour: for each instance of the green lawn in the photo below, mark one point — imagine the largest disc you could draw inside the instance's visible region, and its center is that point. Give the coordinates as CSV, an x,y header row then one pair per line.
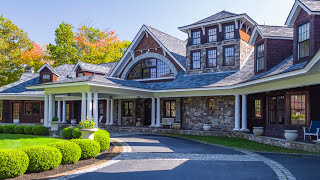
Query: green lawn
x,y
239,143
17,141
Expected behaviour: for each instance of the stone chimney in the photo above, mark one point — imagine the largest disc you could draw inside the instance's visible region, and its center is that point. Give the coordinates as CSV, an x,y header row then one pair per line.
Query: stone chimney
x,y
28,69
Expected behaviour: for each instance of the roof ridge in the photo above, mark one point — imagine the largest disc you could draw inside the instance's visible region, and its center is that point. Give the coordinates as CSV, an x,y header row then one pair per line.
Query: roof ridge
x,y
164,33
274,26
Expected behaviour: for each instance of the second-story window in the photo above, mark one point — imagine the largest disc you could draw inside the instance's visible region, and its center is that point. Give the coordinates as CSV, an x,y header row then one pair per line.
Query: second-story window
x,y
260,57
303,40
212,35
46,78
80,74
229,56
196,37
229,32
196,60
211,58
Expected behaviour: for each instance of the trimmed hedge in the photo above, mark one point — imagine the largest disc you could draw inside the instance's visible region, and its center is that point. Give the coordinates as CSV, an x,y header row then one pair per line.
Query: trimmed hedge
x,y
8,129
71,152
39,130
76,134
1,128
103,138
42,158
13,163
19,129
89,148
67,133
27,130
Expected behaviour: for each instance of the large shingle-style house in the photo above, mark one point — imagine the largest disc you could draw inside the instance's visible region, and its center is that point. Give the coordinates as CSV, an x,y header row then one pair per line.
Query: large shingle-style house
x,y
231,72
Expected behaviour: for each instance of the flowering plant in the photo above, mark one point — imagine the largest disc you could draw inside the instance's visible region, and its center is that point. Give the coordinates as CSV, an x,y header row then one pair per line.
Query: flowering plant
x,y
86,124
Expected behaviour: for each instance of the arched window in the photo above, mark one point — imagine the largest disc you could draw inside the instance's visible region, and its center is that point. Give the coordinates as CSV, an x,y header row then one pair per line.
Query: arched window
x,y
149,68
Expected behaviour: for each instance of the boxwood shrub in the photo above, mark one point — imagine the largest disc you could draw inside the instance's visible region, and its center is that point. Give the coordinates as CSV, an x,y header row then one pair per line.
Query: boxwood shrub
x,y
67,133
39,130
1,128
19,129
89,148
71,152
76,134
13,163
27,130
9,129
103,138
42,158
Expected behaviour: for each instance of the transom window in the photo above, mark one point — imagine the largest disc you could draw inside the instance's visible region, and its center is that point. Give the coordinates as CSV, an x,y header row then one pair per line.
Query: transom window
x,y
303,40
149,68
212,58
229,56
298,109
196,37
276,110
196,60
127,108
170,108
260,57
257,108
32,108
46,78
212,35
229,32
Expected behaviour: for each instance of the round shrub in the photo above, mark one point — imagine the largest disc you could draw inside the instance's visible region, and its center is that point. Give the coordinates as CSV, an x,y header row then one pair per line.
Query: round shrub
x,y
42,158
71,152
76,134
67,133
8,129
19,129
89,148
13,163
103,138
27,130
1,128
39,130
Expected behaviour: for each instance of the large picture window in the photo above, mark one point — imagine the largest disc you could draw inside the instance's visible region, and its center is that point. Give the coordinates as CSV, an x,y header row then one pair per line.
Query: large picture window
x,y
32,108
229,32
170,108
276,110
229,56
211,58
46,78
196,60
212,35
196,37
149,68
303,40
127,108
260,57
298,109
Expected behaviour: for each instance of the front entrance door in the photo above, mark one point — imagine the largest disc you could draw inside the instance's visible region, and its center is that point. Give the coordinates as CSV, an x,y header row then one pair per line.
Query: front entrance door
x,y
16,110
147,112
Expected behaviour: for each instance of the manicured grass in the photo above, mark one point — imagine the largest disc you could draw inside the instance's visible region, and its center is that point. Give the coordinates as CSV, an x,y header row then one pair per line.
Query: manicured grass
x,y
18,141
239,143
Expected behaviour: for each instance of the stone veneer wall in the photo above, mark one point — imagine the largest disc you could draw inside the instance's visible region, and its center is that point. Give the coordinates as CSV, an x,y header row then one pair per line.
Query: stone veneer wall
x,y
245,50
195,113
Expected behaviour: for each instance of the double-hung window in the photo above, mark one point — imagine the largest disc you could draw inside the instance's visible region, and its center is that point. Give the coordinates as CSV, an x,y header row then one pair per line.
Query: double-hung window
x,y
196,37
229,32
196,60
260,57
170,108
46,78
298,109
303,40
211,58
212,35
229,56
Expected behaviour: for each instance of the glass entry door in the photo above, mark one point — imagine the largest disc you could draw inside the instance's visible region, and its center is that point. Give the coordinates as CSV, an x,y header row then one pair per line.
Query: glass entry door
x,y
15,110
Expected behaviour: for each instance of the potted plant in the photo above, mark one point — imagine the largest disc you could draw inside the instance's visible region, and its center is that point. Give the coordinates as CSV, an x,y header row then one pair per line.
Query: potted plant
x,y
176,125
87,128
16,121
258,131
55,124
291,135
207,126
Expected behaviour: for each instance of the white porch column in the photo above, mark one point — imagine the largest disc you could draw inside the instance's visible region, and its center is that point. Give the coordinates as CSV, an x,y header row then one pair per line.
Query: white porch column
x,y
244,113
53,107
119,112
46,111
83,106
89,105
95,109
158,112
111,111
64,111
153,112
59,111
108,112
50,109
237,113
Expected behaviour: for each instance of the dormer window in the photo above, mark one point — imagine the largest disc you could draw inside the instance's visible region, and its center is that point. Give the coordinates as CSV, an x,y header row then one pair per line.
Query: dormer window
x,y
211,58
229,32
80,74
46,78
196,37
260,58
303,40
229,56
212,35
196,60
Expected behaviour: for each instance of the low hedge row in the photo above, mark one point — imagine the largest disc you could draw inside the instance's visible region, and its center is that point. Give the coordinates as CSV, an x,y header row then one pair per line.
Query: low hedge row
x,y
13,163
24,129
89,148
71,152
71,133
103,138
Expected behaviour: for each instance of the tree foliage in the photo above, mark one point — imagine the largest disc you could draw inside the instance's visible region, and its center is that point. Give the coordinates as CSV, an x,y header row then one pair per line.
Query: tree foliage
x,y
35,56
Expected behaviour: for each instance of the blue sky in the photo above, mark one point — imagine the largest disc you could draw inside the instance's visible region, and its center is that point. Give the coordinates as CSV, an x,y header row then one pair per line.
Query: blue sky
x,y
40,18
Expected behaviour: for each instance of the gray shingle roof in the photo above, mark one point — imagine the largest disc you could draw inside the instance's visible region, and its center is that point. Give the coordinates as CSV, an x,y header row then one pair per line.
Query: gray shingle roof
x,y
217,16
65,70
312,5
276,31
110,65
19,87
96,68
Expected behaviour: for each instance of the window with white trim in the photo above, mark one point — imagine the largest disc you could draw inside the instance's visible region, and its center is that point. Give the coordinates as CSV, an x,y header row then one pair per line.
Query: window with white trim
x,y
260,58
229,56
212,35
46,78
196,37
303,40
229,32
196,60
211,58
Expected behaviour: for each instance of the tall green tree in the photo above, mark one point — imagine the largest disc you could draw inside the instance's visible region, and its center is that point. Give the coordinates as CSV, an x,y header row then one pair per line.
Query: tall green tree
x,y
13,41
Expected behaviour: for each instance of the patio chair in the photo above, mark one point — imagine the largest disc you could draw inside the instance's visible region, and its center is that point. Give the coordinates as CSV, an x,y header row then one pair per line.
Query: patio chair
x,y
313,130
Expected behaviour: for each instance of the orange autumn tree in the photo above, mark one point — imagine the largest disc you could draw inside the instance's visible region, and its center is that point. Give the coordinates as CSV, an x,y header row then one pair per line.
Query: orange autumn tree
x,y
34,57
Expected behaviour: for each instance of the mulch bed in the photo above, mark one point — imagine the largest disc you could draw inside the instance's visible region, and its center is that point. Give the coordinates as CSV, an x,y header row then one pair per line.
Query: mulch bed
x,y
114,150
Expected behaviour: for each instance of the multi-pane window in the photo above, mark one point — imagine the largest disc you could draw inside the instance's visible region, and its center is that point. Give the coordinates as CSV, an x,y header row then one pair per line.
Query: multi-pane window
x,y
212,35
229,56
80,74
127,109
257,108
100,108
276,110
149,68
170,109
303,40
1,109
211,58
298,109
196,60
16,110
46,78
196,37
229,32
260,57
32,108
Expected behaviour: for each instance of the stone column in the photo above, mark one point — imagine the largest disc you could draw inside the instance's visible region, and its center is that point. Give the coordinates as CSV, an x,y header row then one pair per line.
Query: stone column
x,y
244,113
95,109
111,111
237,113
59,111
108,112
119,112
83,106
46,111
153,112
89,105
64,111
158,113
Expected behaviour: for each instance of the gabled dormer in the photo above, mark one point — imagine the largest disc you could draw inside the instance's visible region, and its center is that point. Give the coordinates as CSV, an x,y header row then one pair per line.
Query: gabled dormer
x,y
47,74
86,69
304,17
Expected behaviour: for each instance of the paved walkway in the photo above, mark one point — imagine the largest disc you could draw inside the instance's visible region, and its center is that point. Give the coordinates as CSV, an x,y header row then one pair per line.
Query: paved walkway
x,y
158,157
